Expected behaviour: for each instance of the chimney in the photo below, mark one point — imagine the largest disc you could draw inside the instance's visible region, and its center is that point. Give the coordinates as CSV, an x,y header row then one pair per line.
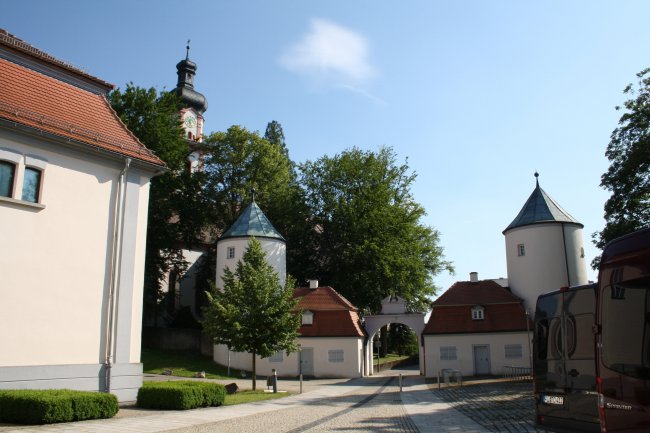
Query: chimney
x,y
473,277
313,284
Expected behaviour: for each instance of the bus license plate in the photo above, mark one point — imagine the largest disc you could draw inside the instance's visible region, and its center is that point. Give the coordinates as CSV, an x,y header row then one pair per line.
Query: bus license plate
x,y
554,400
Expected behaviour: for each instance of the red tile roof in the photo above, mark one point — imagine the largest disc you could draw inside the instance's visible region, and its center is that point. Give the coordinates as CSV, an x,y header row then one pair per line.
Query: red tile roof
x,y
334,316
322,298
475,293
45,103
452,312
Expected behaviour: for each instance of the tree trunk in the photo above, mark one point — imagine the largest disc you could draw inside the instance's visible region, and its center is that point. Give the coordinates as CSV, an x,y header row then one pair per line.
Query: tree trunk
x,y
254,372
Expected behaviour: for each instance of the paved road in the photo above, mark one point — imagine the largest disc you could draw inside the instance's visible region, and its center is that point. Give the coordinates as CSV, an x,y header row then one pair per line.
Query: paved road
x,y
360,405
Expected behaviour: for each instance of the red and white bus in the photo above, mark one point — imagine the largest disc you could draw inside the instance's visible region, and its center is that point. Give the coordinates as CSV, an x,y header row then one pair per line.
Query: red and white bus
x,y
591,356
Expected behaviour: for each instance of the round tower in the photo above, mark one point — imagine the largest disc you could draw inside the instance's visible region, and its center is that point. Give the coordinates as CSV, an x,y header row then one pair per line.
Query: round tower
x,y
251,223
544,249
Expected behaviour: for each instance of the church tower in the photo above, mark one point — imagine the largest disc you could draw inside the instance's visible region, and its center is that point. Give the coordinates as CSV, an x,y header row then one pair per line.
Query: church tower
x,y
251,223
544,249
194,105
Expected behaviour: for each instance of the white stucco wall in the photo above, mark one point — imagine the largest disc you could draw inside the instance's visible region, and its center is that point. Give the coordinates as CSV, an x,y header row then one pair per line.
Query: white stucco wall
x,y
543,268
350,367
275,250
465,356
55,260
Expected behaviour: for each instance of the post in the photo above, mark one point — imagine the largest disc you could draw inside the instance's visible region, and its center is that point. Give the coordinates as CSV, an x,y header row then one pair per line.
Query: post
x,y
438,379
400,382
530,350
275,381
301,383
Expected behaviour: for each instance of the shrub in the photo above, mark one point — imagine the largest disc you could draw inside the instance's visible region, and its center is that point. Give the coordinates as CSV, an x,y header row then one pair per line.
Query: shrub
x,y
48,406
180,395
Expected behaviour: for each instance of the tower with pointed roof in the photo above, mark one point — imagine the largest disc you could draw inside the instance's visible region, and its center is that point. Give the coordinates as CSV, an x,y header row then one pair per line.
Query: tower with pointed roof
x,y
194,105
544,248
251,223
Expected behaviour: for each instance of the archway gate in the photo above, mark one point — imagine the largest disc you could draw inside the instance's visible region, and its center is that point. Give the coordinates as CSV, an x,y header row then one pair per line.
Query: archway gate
x,y
393,310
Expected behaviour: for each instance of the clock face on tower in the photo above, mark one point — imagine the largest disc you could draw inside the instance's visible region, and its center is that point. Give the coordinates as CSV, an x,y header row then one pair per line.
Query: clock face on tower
x,y
190,121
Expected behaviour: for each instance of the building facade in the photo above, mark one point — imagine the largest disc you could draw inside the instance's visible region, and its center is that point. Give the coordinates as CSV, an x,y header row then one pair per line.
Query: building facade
x,y
74,190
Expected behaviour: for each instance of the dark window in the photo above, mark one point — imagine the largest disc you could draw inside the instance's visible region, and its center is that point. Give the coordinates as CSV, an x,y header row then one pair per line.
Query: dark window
x,y
31,184
7,172
626,333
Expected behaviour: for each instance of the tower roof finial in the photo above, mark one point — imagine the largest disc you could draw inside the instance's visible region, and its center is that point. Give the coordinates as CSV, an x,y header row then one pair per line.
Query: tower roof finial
x,y
187,53
536,178
253,195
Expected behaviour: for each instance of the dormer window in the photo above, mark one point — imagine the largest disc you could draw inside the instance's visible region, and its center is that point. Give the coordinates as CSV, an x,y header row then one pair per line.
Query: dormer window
x,y
307,317
478,312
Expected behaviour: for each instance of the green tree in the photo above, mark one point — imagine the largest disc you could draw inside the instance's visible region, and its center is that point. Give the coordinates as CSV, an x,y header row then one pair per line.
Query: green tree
x,y
177,201
239,161
370,242
253,313
275,135
628,176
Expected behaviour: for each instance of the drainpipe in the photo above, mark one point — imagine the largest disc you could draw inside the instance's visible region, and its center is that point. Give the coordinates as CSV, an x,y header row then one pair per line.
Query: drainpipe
x,y
116,261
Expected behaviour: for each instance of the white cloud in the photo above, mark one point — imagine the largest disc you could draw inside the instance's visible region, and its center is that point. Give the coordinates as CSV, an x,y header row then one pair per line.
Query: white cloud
x,y
331,54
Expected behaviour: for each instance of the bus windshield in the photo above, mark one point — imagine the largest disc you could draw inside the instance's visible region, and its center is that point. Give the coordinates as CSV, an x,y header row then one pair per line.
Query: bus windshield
x,y
626,328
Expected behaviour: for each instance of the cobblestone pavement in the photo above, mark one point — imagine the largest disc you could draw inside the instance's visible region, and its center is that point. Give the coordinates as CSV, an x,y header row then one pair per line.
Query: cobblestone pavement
x,y
499,407
377,407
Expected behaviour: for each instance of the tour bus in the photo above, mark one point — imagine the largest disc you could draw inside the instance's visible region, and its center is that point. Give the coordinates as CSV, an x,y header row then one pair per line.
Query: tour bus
x,y
591,354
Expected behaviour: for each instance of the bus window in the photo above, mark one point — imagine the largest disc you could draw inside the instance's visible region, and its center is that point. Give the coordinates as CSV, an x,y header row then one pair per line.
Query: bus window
x,y
541,339
626,331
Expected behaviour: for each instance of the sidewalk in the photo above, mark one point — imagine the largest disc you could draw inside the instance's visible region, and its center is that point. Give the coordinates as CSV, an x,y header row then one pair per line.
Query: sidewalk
x,y
430,414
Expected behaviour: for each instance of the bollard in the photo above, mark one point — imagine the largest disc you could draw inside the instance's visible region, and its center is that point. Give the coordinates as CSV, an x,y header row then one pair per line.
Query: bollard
x,y
438,379
301,383
275,381
400,382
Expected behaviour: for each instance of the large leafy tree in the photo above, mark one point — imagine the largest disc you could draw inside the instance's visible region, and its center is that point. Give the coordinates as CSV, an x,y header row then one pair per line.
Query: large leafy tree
x,y
239,161
628,176
370,242
176,198
253,313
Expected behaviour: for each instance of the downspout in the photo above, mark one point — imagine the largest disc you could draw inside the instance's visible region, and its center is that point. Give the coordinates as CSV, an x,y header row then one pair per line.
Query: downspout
x,y
566,257
116,261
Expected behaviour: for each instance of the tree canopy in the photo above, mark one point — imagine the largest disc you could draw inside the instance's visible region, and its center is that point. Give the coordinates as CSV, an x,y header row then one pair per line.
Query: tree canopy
x,y
369,240
628,176
253,313
176,198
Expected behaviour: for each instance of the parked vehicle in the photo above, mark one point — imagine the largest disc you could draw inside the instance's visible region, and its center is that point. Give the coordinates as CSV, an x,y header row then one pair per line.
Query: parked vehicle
x,y
591,354
564,367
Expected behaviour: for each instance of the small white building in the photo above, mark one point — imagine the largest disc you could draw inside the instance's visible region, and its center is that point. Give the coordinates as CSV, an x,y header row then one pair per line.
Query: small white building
x,y
478,328
74,193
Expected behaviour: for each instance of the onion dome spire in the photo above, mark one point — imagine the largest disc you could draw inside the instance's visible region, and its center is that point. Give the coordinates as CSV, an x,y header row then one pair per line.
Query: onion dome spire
x,y
186,70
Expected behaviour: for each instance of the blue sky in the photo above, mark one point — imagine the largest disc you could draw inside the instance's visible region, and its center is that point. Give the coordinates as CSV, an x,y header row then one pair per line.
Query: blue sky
x,y
478,95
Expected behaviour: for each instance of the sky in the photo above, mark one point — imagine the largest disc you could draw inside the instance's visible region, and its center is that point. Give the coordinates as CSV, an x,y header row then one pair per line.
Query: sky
x,y
475,95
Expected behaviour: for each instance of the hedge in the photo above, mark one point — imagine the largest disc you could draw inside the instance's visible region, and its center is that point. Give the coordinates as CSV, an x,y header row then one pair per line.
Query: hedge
x,y
182,394
46,406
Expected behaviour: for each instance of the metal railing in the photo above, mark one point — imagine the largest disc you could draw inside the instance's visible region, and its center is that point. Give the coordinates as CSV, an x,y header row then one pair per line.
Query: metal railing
x,y
514,373
449,376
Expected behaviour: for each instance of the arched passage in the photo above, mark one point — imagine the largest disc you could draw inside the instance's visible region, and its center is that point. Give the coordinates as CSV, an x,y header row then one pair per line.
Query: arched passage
x,y
393,310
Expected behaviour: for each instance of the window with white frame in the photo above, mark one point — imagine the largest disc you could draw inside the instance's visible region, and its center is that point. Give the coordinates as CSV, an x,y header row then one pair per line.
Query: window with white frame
x,y
21,174
277,357
448,353
478,312
335,355
521,250
231,252
513,351
307,317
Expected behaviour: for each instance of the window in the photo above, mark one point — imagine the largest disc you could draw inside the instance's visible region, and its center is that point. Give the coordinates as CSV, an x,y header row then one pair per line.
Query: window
x,y
521,250
513,351
277,357
31,184
231,252
478,313
335,355
448,353
7,174
307,317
